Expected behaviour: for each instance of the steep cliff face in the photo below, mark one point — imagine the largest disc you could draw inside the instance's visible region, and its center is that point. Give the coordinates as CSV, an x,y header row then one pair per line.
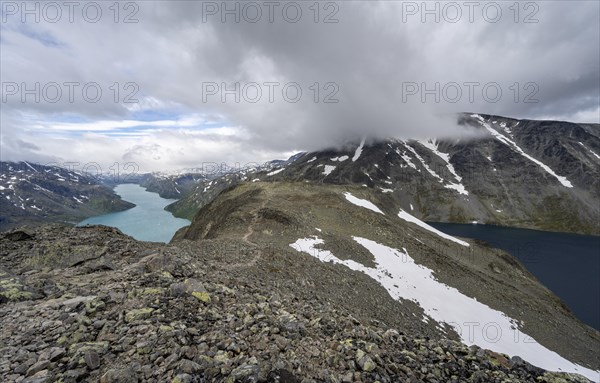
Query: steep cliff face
x,y
34,194
531,174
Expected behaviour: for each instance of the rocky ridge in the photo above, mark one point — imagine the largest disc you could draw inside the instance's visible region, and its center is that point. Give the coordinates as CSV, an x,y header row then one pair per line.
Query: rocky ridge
x,y
141,312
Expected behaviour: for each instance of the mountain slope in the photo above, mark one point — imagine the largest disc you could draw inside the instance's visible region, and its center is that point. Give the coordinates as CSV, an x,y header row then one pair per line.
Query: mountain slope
x,y
354,244
521,173
206,190
34,194
91,304
171,186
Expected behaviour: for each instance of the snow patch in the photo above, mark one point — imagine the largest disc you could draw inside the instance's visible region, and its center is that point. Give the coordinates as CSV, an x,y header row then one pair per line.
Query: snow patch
x,y
590,150
409,218
433,146
328,169
434,174
403,278
362,203
358,151
275,172
311,160
513,145
340,159
406,158
460,188
307,245
32,168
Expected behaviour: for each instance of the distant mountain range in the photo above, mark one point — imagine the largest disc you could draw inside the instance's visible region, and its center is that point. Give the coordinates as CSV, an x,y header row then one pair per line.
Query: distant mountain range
x,y
521,173
320,268
32,194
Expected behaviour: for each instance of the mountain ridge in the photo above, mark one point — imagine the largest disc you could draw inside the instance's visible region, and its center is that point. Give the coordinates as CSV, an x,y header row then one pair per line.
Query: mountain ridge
x,y
34,194
509,178
283,212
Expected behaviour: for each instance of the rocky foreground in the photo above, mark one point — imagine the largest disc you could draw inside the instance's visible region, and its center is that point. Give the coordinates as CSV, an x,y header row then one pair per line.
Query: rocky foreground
x,y
91,304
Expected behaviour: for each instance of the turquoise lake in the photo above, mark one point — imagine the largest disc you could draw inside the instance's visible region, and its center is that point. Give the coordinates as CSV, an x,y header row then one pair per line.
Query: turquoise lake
x,y
147,221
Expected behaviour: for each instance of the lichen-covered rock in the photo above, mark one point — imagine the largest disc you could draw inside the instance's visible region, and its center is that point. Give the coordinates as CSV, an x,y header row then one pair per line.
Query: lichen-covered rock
x,y
138,314
244,374
12,289
191,287
79,350
364,361
126,375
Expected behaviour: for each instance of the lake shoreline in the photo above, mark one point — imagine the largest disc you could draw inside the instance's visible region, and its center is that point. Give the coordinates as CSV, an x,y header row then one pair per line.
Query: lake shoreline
x,y
568,264
146,221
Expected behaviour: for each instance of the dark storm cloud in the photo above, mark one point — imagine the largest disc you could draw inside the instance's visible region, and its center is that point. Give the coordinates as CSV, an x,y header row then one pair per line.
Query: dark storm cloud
x,y
368,58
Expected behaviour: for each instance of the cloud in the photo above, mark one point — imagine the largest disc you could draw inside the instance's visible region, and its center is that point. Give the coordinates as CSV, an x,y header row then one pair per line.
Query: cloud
x,y
107,125
382,64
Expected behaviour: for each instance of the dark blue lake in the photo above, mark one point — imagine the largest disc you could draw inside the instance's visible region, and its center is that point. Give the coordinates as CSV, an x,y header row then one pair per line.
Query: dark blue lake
x,y
568,264
147,221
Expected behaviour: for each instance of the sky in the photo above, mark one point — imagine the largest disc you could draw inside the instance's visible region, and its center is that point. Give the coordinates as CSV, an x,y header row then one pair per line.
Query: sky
x,y
180,84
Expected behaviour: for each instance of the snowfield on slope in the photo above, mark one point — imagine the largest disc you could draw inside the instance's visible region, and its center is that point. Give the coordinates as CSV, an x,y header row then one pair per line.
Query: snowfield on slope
x,y
433,146
410,218
414,152
340,159
274,172
590,150
475,322
328,169
358,151
513,145
404,156
362,203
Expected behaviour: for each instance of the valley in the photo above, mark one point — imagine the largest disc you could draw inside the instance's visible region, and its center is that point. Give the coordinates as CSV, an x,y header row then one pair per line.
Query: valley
x,y
304,192
147,221
342,231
